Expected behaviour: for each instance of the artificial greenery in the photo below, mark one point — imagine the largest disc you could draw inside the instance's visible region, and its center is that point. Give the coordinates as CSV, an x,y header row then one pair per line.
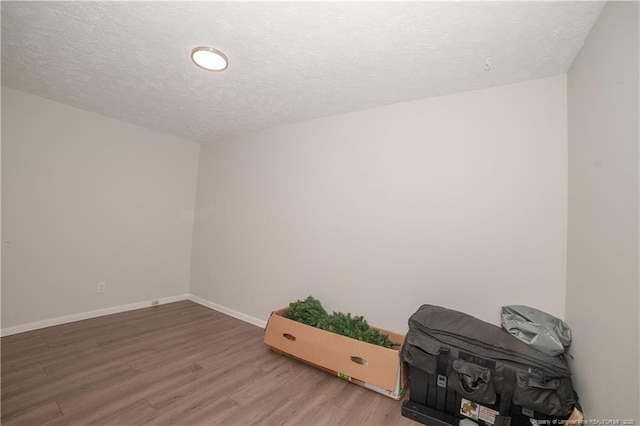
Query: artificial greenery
x,y
311,312
308,311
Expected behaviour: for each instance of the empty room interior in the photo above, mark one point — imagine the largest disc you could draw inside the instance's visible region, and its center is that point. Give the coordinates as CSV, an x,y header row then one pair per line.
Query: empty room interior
x,y
165,219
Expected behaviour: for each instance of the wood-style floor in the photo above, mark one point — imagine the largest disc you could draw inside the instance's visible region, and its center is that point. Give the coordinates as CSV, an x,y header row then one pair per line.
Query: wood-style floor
x,y
174,364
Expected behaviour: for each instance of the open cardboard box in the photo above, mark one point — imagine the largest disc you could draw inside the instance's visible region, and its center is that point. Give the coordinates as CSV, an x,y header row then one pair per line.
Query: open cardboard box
x,y
374,367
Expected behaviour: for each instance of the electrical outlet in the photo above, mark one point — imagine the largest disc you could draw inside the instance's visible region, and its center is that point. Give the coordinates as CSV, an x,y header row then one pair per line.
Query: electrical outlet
x,y
102,287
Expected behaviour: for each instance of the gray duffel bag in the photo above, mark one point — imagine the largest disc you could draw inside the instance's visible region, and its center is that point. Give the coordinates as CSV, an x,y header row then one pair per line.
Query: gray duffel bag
x,y
536,328
494,361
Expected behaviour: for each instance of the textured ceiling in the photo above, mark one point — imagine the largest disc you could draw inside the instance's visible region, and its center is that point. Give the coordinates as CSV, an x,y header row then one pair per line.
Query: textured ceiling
x,y
288,61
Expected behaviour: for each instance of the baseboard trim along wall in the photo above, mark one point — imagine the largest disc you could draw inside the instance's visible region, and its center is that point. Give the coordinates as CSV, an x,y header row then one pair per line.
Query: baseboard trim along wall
x,y
231,312
90,314
130,307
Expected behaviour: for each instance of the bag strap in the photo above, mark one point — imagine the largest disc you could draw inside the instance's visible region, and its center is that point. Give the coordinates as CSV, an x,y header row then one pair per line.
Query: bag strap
x,y
443,358
506,397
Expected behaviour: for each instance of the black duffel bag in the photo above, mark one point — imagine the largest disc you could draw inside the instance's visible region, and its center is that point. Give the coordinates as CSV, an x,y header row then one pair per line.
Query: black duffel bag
x,y
483,365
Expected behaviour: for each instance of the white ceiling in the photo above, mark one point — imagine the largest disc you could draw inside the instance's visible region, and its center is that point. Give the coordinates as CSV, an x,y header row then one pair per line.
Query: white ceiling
x,y
288,61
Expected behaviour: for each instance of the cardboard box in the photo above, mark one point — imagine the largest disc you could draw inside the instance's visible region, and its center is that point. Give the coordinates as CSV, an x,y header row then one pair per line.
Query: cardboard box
x,y
372,366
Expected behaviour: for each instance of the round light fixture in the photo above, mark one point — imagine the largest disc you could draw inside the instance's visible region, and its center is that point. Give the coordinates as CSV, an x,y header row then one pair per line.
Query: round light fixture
x,y
209,58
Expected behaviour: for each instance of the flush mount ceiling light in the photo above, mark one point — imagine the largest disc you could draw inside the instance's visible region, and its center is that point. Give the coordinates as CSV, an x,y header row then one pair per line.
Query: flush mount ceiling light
x,y
209,58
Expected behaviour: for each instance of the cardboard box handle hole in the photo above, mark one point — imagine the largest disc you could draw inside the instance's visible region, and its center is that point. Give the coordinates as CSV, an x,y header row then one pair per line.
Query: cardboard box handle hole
x,y
289,337
359,360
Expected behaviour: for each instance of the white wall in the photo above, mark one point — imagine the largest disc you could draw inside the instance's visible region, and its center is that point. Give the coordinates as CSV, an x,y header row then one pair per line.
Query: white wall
x,y
86,198
458,201
603,255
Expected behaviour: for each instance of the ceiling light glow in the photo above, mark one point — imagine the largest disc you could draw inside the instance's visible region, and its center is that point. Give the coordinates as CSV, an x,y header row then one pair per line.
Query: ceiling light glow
x,y
209,58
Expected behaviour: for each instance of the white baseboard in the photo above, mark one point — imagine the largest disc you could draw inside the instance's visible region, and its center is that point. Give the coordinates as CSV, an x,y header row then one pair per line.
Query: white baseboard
x,y
90,314
231,312
8,331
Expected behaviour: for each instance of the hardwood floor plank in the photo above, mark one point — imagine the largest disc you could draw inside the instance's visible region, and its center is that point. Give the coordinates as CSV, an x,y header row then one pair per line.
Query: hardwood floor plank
x,y
224,381
136,413
386,412
84,407
55,390
286,396
17,376
158,324
282,378
44,356
16,383
36,416
97,361
269,361
23,339
182,337
176,413
170,332
313,408
27,345
89,327
319,414
228,350
212,414
177,364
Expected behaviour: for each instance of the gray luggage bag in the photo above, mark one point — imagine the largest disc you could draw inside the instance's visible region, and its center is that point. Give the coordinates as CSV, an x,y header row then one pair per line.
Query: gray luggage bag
x,y
474,364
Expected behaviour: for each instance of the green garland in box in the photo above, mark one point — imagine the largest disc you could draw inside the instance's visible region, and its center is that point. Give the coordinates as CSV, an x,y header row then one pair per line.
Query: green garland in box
x,y
308,311
311,312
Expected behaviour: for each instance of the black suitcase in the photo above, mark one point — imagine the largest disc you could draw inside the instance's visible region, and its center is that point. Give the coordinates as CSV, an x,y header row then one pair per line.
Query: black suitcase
x,y
461,367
